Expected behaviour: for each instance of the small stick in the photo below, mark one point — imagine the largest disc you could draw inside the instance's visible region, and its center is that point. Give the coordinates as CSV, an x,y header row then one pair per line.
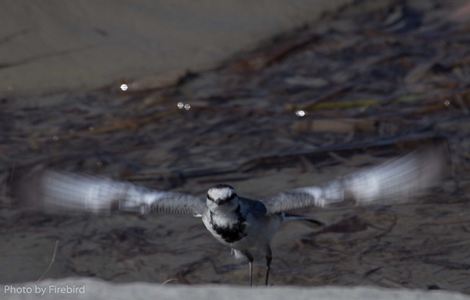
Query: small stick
x,y
56,246
169,280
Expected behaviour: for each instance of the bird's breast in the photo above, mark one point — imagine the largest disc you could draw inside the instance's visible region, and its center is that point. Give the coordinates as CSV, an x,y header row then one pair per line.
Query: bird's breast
x,y
228,229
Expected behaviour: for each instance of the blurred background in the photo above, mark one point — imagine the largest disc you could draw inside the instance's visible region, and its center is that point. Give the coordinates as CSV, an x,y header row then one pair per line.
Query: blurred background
x,y
264,96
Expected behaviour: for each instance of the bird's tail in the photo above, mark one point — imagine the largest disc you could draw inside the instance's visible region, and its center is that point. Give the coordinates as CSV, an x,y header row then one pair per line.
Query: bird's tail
x,y
291,217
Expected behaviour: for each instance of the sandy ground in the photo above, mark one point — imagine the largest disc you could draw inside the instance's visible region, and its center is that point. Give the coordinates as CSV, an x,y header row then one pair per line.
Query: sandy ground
x,y
413,246
82,45
95,289
408,80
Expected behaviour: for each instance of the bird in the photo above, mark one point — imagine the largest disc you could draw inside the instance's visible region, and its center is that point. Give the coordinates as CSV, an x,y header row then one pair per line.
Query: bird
x,y
240,223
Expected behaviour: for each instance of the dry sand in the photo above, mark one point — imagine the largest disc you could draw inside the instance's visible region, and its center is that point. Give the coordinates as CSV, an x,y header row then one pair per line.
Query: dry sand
x,y
411,245
99,290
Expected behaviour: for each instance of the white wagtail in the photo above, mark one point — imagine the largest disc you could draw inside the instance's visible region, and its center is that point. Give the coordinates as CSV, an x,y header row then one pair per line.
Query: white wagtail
x,y
239,223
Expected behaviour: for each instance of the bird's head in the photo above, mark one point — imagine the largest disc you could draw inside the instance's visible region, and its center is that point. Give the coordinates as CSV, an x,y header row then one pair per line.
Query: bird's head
x,y
222,196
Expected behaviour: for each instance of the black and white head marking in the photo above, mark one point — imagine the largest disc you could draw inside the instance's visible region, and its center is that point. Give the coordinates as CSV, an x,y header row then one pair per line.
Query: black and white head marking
x,y
221,194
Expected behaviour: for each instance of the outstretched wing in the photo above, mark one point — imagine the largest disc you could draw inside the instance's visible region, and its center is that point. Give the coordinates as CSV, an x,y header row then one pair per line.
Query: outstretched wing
x,y
63,191
396,180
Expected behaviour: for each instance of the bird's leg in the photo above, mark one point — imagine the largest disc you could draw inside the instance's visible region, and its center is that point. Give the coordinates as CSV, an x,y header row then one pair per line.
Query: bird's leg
x,y
250,265
269,258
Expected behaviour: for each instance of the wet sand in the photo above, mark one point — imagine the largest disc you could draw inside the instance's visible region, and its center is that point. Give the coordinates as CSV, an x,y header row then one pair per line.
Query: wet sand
x,y
73,46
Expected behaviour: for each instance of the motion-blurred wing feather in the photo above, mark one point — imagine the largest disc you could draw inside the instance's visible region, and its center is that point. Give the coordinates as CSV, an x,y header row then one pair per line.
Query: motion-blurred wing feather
x,y
397,180
57,191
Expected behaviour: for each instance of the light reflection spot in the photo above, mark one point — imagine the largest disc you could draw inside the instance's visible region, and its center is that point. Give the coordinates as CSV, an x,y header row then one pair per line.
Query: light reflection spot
x,y
124,87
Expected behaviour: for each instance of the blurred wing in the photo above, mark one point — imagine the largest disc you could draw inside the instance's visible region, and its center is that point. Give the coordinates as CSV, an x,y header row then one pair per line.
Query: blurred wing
x,y
397,180
62,191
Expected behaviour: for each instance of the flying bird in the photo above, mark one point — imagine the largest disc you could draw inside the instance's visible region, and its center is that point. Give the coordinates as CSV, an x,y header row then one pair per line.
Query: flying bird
x,y
240,223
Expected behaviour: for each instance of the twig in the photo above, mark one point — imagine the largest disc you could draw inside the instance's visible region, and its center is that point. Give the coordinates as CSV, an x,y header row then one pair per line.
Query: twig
x,y
169,280
56,246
